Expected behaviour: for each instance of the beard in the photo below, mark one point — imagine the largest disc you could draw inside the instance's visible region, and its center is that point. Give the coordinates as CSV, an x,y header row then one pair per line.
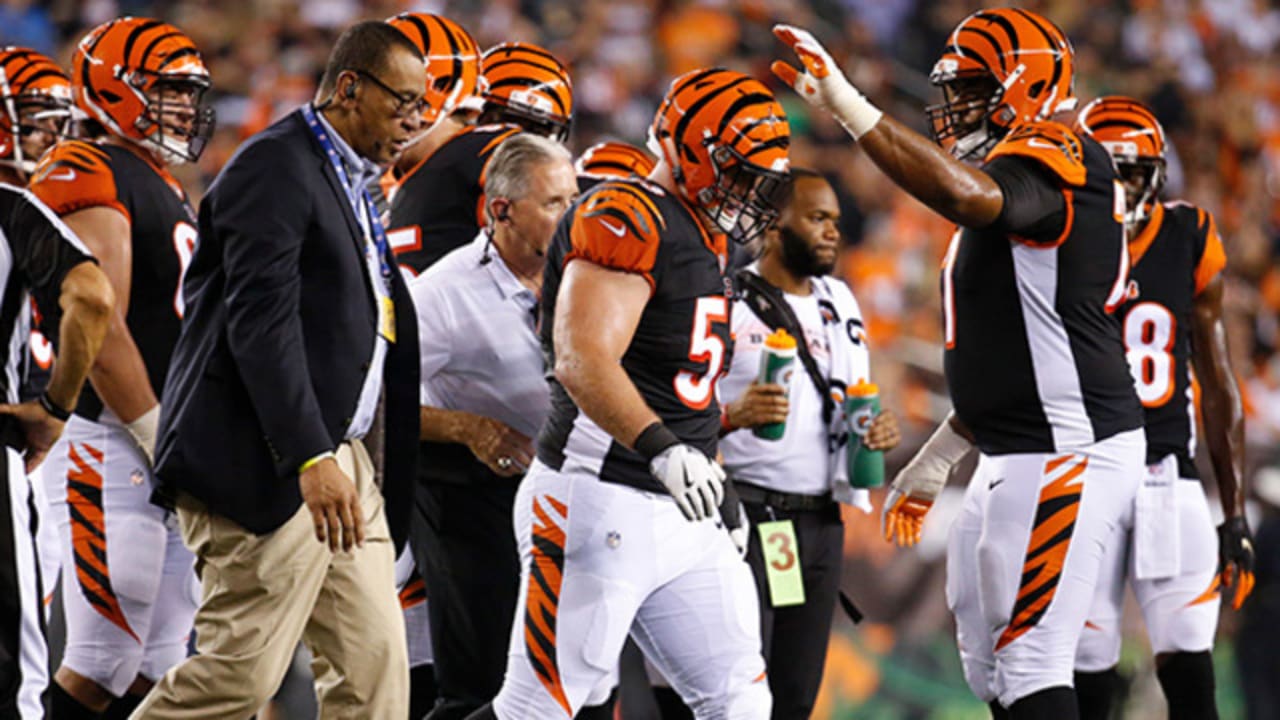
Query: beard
x,y
800,259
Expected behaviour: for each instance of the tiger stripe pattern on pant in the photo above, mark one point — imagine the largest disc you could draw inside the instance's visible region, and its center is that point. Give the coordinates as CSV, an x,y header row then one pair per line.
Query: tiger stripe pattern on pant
x,y
1055,521
88,533
546,571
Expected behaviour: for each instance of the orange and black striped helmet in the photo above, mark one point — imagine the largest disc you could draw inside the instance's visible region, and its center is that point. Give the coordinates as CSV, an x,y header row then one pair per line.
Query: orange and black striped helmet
x,y
1001,67
453,61
35,106
725,139
143,80
528,86
614,159
1135,139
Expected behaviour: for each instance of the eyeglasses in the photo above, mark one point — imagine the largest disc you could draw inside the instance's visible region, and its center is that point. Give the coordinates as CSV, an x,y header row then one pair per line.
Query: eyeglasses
x,y
407,105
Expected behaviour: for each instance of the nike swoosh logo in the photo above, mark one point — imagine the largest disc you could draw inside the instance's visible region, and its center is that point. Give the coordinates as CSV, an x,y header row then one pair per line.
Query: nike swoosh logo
x,y
615,229
994,483
66,175
1038,143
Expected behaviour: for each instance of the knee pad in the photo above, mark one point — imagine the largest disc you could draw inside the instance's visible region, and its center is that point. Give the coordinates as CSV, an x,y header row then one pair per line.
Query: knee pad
x,y
1187,681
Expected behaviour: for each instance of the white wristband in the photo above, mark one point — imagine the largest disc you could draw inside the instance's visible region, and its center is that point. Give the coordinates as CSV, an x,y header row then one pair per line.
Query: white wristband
x,y
927,472
850,107
144,429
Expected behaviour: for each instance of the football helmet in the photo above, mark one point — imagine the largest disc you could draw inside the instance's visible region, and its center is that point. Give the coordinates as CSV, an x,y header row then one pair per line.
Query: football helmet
x,y
35,97
1133,136
725,139
452,57
1001,67
614,159
144,80
527,86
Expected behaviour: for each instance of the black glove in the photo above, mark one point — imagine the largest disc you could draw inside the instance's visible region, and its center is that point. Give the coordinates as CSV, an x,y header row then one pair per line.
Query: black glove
x,y
1235,558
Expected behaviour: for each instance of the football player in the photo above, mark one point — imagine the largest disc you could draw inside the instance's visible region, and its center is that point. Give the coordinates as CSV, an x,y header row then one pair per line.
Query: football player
x,y
128,595
616,519
611,159
439,202
1172,320
1034,358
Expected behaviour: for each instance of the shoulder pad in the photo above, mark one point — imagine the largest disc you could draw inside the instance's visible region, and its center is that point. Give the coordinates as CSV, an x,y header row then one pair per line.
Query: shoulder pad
x,y
75,175
617,225
1051,144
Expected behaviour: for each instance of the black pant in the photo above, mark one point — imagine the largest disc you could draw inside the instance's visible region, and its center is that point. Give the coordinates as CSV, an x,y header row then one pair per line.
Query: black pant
x,y
465,548
795,638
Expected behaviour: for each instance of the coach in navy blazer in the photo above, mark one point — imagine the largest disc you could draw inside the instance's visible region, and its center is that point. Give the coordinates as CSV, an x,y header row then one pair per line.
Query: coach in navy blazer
x,y
275,342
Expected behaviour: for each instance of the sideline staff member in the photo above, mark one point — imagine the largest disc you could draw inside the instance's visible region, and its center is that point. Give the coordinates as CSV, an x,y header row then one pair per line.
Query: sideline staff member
x,y
794,479
484,396
297,321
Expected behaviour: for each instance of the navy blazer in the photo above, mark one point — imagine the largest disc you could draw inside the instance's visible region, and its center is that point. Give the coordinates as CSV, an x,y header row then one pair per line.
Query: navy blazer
x,y
276,340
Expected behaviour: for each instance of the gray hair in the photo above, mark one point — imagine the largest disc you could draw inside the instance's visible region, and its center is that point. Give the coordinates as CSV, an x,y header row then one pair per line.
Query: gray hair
x,y
507,173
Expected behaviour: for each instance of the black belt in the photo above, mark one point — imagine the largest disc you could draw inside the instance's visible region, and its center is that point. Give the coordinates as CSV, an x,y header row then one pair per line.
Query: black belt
x,y
780,500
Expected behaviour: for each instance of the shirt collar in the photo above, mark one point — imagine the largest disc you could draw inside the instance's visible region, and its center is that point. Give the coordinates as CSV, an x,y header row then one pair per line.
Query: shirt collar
x,y
506,281
361,172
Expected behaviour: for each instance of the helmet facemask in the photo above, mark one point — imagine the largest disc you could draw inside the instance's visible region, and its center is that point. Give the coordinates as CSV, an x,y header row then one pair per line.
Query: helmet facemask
x,y
742,202
963,123
162,124
1143,178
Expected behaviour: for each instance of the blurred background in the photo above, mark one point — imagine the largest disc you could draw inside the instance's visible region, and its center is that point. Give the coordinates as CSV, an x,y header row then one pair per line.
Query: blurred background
x,y
1209,68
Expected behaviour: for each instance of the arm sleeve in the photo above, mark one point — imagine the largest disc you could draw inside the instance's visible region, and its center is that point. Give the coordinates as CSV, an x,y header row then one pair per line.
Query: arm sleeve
x,y
1213,256
44,249
1035,206
261,213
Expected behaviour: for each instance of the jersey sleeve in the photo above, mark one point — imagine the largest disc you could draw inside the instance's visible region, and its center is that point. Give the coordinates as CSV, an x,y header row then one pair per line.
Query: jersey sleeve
x,y
618,227
1211,257
74,176
44,249
1052,145
1036,209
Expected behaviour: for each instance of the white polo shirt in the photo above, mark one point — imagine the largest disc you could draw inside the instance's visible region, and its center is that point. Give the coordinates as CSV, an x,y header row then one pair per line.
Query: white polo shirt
x,y
479,345
799,462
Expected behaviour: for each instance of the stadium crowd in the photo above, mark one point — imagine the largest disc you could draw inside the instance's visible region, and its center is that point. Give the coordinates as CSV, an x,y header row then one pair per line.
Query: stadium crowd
x,y
1207,69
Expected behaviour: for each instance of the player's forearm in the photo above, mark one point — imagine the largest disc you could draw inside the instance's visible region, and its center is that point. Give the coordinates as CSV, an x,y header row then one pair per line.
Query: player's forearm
x,y
1224,430
447,426
964,195
119,375
602,390
86,303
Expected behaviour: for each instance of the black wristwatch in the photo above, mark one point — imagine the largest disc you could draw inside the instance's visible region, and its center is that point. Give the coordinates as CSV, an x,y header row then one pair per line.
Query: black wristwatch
x,y
54,408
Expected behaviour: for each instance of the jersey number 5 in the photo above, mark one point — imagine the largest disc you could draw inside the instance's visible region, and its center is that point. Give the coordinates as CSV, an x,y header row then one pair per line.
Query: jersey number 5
x,y
1148,342
694,389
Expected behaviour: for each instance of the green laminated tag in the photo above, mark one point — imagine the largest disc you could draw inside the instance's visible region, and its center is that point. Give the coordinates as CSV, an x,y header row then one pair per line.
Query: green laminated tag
x,y
782,563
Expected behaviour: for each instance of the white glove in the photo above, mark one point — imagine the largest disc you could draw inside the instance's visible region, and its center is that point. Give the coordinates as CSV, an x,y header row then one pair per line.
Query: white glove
x,y
918,483
822,84
144,430
692,478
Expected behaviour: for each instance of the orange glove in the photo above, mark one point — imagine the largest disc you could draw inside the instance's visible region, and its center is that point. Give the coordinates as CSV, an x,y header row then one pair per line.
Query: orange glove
x,y
918,484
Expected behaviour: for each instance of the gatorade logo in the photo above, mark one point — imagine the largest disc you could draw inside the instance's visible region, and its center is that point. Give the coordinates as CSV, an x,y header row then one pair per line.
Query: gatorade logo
x,y
784,378
861,421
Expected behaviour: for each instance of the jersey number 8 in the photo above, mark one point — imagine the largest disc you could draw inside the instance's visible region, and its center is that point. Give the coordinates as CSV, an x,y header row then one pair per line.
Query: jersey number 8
x,y
1148,340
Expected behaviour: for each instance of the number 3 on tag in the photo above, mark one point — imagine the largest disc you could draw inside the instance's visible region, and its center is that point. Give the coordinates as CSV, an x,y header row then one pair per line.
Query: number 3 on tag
x,y
782,563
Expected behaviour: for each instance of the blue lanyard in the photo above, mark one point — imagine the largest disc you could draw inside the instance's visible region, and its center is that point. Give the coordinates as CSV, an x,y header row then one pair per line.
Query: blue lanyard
x,y
375,225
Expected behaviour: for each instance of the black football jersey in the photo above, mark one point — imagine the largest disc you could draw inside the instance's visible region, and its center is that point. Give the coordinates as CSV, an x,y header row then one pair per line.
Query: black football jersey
x,y
1175,256
77,175
1034,358
439,205
681,345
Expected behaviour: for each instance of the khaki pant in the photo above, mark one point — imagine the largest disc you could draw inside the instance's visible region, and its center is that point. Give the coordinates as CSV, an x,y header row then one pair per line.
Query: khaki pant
x,y
262,593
